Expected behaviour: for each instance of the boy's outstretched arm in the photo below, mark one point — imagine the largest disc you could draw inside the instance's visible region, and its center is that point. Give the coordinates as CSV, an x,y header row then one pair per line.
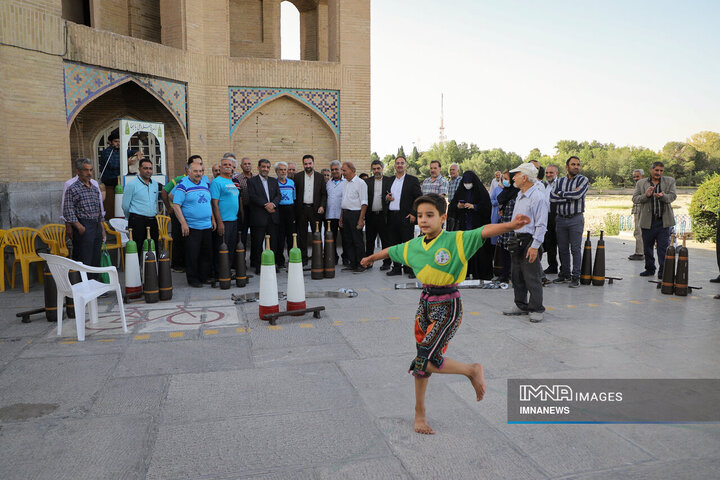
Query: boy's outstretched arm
x,y
381,255
494,229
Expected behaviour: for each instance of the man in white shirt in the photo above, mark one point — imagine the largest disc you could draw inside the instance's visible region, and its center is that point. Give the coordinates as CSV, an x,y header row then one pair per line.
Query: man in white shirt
x,y
310,202
404,190
354,205
334,188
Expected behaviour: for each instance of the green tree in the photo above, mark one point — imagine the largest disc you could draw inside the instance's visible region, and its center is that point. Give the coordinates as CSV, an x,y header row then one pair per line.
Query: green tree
x,y
602,184
704,208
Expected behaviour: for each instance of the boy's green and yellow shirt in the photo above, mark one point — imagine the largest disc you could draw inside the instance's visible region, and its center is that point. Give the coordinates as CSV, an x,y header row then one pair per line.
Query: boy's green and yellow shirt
x,y
443,260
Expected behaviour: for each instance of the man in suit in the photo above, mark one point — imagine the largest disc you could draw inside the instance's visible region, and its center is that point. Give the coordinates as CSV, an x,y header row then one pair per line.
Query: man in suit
x,y
376,215
311,201
264,193
400,197
655,196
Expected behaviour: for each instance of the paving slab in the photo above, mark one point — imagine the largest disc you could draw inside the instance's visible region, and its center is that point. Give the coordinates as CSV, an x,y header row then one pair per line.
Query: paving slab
x,y
201,355
258,391
84,449
243,445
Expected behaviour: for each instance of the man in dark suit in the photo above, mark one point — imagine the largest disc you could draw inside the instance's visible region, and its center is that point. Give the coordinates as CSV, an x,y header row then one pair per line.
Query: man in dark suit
x,y
265,197
311,201
376,215
401,195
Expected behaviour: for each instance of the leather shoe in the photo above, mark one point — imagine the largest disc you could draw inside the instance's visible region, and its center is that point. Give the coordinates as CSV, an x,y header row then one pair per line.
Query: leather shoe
x,y
196,285
647,273
550,271
393,273
358,270
715,280
384,267
411,275
636,256
346,269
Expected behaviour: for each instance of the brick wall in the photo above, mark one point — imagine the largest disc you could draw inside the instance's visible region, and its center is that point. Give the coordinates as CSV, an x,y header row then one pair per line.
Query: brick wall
x,y
36,136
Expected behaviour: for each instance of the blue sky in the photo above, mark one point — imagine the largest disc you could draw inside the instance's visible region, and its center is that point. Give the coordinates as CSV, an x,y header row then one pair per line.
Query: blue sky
x,y
522,74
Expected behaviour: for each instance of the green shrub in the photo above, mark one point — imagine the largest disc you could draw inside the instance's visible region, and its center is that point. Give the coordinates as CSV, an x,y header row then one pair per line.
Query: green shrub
x,y
612,224
602,184
704,209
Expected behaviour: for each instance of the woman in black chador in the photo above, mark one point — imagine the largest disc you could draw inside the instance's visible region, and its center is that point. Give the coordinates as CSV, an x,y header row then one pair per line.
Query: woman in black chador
x,y
471,208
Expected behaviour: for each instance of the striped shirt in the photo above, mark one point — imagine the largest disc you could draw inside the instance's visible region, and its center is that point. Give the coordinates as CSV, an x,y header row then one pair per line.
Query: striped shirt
x,y
439,185
453,185
82,202
568,195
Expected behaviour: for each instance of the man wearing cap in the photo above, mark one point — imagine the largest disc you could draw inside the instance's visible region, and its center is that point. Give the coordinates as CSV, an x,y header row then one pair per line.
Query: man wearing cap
x,y
526,266
568,195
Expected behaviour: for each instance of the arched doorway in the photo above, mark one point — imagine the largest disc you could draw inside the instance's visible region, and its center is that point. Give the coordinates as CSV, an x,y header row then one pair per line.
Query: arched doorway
x,y
91,126
285,129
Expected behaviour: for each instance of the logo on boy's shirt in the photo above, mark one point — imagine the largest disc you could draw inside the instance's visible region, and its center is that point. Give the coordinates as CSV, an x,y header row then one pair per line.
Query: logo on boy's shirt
x,y
442,257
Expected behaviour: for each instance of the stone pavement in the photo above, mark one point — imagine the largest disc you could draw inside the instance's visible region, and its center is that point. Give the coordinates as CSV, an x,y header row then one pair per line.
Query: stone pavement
x,y
201,388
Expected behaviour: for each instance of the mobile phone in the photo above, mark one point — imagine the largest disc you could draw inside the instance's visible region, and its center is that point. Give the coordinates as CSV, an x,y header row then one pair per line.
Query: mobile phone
x,y
461,201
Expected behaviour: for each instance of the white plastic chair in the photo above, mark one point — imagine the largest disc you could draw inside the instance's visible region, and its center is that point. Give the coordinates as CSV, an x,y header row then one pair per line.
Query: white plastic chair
x,y
84,292
121,226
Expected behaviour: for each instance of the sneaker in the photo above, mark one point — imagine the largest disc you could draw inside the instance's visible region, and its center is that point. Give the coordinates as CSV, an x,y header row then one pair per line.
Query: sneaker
x,y
647,273
178,269
347,269
384,267
359,270
636,256
196,285
411,275
574,283
515,311
561,280
715,280
550,271
546,281
536,317
392,273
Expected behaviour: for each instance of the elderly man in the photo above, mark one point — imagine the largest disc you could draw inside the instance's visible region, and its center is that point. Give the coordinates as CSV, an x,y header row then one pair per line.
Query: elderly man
x,y
568,195
655,195
404,189
286,210
264,218
526,266
292,170
496,181
193,209
225,205
376,215
638,174
550,243
352,220
334,189
311,201
436,183
140,202
68,225
82,209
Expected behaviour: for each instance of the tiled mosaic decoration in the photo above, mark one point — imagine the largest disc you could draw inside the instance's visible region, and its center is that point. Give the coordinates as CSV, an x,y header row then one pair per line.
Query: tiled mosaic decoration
x,y
84,83
244,100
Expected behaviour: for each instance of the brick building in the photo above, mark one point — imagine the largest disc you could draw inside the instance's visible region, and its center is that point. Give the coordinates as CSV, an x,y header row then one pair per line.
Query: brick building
x,y
209,70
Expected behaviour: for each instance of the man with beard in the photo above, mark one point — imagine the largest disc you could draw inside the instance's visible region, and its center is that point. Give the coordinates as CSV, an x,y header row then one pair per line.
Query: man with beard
x,y
400,198
311,201
376,215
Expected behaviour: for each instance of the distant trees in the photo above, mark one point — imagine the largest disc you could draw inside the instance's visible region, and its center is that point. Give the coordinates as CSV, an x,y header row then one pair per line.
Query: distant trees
x,y
690,162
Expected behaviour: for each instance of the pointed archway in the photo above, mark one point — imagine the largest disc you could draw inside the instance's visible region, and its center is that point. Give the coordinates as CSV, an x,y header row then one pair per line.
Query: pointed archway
x,y
284,129
127,100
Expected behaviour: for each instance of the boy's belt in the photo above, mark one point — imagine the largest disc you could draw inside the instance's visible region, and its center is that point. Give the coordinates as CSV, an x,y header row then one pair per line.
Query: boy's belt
x,y
444,290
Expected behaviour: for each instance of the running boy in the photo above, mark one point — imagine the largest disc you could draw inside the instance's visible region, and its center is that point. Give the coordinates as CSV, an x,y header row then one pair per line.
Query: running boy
x,y
439,260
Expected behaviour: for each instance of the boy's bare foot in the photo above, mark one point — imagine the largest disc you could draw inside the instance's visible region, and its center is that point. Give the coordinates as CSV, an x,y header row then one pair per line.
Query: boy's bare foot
x,y
478,380
421,425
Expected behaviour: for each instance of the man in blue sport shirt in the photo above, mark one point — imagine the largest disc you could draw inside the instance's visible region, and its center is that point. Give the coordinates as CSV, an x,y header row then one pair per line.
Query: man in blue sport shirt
x,y
225,204
191,203
140,204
